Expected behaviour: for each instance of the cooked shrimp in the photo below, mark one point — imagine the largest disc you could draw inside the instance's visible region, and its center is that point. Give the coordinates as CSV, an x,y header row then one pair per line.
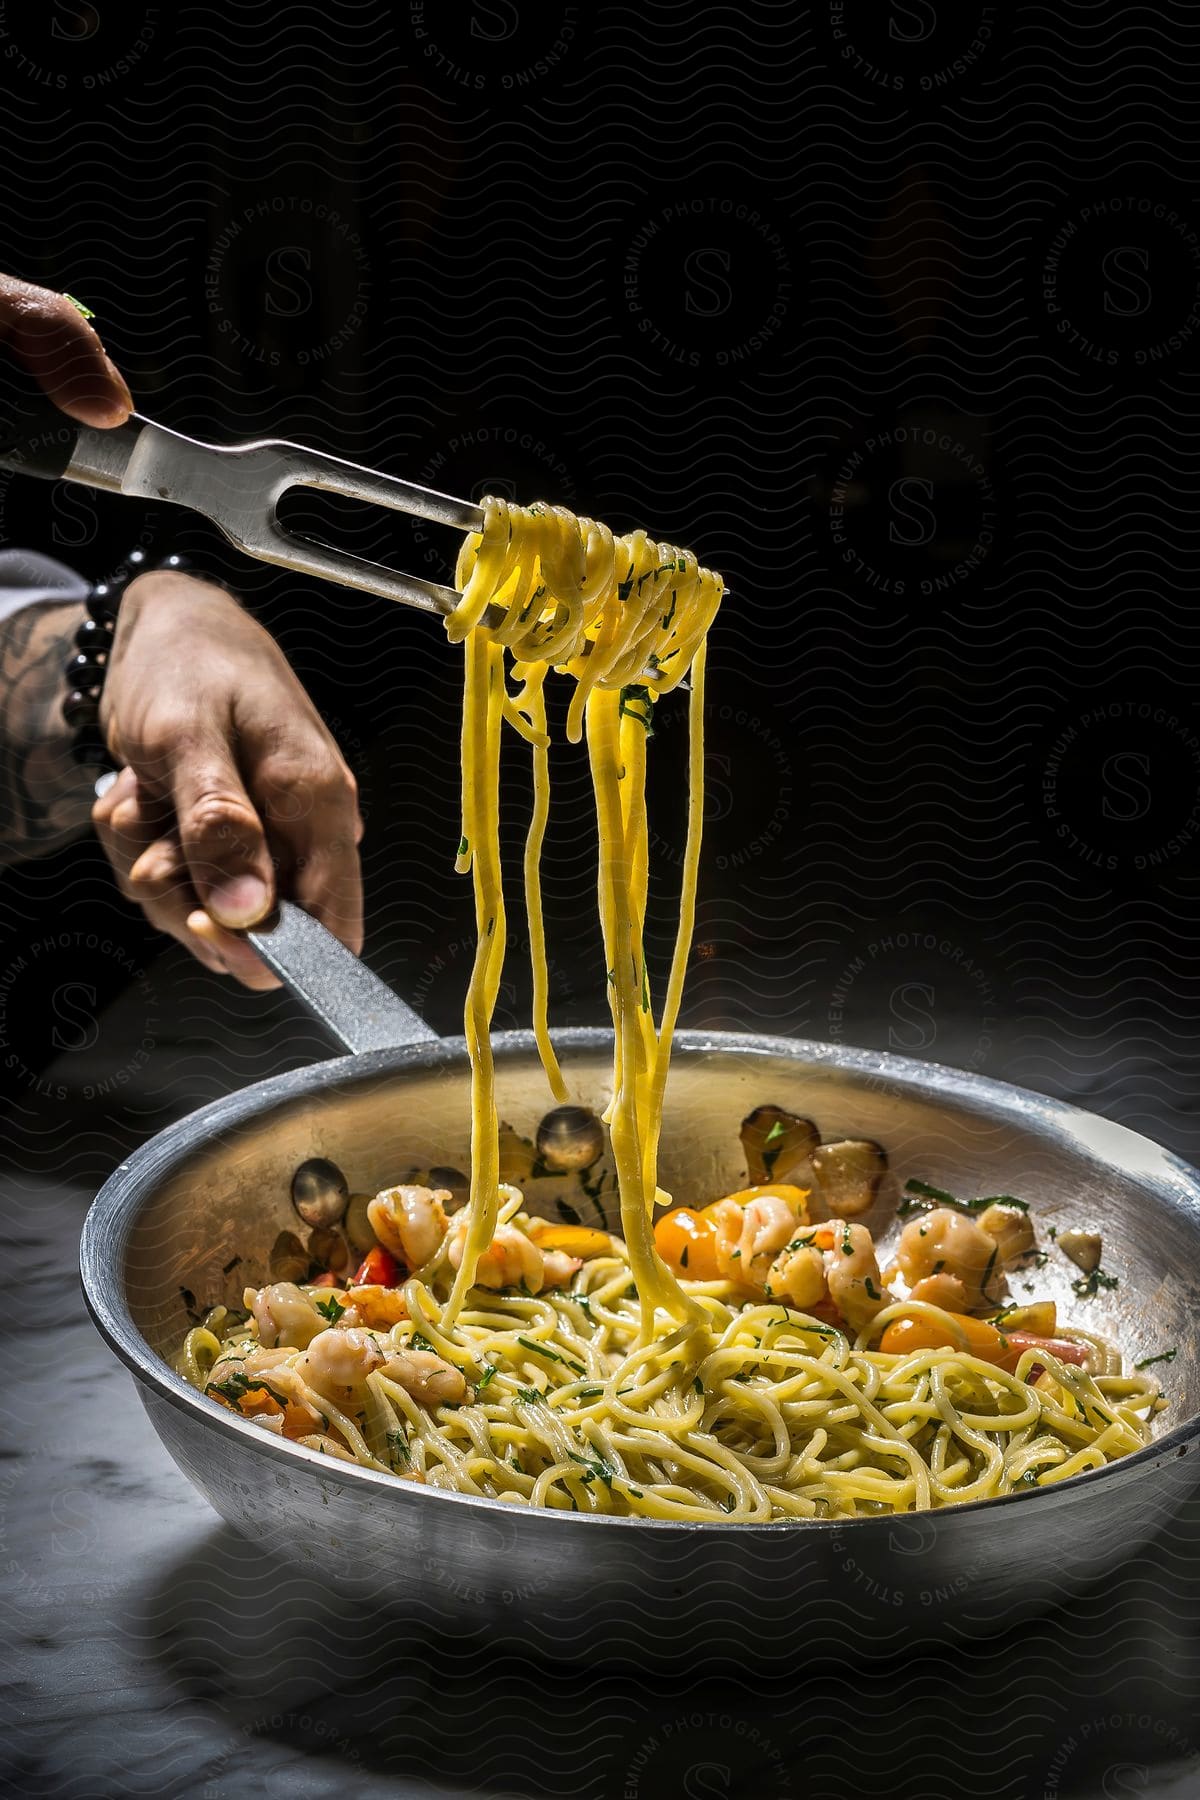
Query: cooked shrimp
x,y
381,1307
283,1314
750,1237
277,1405
855,1284
430,1379
798,1276
247,1359
558,1267
945,1240
941,1290
410,1222
511,1259
834,1260
337,1364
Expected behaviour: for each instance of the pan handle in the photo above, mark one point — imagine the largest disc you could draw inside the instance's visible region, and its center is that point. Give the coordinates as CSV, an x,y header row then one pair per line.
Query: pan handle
x,y
353,1005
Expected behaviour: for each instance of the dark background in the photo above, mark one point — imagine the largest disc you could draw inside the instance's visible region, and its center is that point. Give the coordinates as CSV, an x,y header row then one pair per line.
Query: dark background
x,y
889,311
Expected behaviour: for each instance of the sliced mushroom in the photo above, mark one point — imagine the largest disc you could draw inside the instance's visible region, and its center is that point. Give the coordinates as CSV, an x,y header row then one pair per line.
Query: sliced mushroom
x,y
1084,1249
1011,1229
289,1260
778,1146
329,1248
357,1225
847,1174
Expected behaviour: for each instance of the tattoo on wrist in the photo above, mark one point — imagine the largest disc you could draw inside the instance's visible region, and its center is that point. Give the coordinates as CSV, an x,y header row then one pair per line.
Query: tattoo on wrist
x,y
45,797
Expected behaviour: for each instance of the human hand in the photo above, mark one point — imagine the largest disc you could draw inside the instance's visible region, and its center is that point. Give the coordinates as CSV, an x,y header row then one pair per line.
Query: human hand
x,y
233,788
50,336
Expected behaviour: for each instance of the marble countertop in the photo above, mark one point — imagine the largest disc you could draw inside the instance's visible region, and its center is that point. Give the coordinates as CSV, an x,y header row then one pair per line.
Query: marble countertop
x,y
149,1651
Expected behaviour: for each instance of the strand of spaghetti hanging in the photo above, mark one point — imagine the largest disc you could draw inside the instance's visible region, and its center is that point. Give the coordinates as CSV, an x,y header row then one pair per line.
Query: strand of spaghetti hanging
x,y
627,619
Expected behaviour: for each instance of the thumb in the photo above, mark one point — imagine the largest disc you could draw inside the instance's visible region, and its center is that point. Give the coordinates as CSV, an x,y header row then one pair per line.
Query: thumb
x,y
222,837
62,352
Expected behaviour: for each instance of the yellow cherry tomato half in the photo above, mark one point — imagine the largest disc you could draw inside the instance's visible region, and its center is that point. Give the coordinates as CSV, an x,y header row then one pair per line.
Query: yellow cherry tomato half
x,y
686,1239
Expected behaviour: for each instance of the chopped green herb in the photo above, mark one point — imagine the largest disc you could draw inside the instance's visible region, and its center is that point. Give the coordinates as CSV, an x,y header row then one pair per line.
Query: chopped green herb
x,y
237,1386
551,1355
331,1309
419,1341
79,306
1148,1362
635,703
776,1131
397,1443
987,1276
596,1470
924,1191
462,846
1089,1285
530,1396
872,1290
484,1379
1052,1232
588,1393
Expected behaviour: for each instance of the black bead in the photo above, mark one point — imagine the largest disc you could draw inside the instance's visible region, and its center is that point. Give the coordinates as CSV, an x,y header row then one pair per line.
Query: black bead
x,y
181,564
90,750
85,671
103,601
93,635
81,709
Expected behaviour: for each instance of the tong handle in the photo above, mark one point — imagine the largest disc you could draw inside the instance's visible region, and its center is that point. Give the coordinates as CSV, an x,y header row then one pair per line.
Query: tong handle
x,y
354,1006
35,437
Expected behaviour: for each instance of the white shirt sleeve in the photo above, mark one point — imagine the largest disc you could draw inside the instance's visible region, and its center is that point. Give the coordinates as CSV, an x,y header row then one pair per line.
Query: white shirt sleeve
x,y
27,578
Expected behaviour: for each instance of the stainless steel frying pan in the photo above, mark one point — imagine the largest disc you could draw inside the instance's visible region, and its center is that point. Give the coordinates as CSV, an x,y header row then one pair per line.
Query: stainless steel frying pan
x,y
190,1217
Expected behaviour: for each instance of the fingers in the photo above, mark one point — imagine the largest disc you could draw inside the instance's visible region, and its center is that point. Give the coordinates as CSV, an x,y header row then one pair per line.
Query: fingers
x,y
313,820
221,834
51,337
233,951
152,871
148,865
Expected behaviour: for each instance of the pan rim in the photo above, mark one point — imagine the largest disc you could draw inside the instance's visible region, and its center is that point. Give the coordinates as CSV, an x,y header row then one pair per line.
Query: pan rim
x,y
114,1212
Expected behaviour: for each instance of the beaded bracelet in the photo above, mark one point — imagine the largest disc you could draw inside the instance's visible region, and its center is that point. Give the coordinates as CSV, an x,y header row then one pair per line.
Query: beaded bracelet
x,y
93,645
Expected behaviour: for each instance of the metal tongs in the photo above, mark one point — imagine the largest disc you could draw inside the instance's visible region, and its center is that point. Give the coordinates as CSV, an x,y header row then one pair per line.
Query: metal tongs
x,y
237,486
